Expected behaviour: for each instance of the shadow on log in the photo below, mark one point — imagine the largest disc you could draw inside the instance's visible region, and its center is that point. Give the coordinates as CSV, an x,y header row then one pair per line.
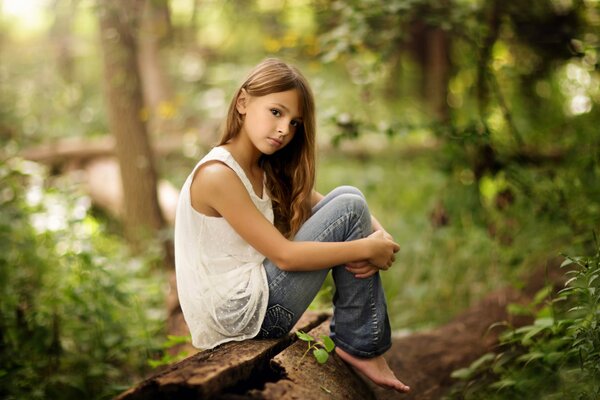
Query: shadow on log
x,y
274,369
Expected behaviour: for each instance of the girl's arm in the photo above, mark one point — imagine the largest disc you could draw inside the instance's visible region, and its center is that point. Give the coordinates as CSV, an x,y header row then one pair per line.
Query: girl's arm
x,y
217,188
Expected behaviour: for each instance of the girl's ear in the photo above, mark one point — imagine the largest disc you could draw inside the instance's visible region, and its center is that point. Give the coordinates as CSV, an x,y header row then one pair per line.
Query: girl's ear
x,y
240,103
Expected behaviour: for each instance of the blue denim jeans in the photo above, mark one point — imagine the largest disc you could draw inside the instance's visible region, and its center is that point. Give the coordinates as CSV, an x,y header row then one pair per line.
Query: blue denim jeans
x,y
360,323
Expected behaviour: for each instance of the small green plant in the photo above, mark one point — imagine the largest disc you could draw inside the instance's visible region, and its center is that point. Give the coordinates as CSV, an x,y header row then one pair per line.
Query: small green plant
x,y
321,348
557,355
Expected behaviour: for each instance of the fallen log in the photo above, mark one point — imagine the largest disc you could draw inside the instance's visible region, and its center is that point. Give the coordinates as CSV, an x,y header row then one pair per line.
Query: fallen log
x,y
231,368
78,150
274,369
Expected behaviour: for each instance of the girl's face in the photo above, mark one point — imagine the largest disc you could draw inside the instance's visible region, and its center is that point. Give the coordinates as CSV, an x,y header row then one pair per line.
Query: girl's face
x,y
270,121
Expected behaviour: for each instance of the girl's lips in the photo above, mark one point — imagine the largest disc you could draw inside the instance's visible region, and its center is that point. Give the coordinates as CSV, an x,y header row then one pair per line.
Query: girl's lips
x,y
275,142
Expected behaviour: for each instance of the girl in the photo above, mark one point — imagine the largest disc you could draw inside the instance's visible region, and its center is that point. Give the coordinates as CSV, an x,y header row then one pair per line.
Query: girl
x,y
254,241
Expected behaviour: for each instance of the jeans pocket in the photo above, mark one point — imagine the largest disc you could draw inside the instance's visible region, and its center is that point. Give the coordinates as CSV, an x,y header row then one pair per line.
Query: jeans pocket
x,y
278,322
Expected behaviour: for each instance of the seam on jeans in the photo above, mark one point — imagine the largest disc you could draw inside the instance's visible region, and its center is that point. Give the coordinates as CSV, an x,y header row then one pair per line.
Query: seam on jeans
x,y
277,279
375,321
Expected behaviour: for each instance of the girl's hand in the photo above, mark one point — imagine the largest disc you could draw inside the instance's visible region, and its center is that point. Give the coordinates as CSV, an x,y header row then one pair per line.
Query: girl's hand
x,y
387,235
383,250
361,269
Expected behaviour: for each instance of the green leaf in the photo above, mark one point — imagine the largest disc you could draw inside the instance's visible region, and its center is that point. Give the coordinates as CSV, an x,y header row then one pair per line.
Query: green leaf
x,y
477,365
483,360
554,357
542,294
518,309
571,280
532,331
501,384
305,336
529,357
545,312
328,343
173,340
568,261
463,373
321,355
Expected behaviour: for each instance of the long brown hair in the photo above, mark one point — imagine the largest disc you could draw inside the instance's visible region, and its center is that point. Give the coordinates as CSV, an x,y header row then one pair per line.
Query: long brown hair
x,y
290,171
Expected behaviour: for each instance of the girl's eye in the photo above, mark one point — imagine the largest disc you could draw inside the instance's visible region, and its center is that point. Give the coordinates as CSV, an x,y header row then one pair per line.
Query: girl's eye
x,y
275,112
295,123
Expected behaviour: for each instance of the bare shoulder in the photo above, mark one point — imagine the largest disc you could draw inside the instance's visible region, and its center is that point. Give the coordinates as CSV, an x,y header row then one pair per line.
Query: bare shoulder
x,y
212,172
211,181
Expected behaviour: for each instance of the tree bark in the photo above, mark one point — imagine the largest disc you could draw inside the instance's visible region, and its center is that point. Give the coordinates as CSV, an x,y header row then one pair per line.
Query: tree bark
x,y
158,94
61,35
493,14
124,105
430,47
437,73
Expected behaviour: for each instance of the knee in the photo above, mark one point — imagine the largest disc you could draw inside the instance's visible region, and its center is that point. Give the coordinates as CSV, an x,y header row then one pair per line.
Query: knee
x,y
356,205
346,189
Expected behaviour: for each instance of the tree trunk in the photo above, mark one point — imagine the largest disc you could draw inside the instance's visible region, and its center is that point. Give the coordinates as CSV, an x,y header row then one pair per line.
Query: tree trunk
x,y
158,95
64,11
437,73
493,14
124,105
430,47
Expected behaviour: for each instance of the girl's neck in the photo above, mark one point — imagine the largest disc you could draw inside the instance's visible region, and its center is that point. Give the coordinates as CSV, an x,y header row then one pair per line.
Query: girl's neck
x,y
244,153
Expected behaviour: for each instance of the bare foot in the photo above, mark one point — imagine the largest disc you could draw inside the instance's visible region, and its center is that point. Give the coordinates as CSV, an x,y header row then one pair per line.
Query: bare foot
x,y
376,369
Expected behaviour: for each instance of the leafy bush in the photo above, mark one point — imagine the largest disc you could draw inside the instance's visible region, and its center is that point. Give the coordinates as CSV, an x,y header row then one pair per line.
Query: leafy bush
x,y
79,316
558,356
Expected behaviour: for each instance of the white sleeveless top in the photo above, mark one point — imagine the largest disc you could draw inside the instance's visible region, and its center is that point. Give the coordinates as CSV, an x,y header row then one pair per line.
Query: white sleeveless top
x,y
221,282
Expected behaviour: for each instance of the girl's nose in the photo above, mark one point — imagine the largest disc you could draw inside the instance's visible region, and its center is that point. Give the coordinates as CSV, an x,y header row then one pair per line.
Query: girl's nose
x,y
283,129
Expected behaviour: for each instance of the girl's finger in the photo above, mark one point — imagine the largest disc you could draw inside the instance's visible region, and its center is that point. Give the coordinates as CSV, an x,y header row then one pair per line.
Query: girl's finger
x,y
360,270
366,275
357,264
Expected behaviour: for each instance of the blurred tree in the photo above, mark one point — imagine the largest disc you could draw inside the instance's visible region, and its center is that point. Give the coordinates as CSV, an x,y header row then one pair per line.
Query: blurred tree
x,y
142,215
155,30
124,102
431,47
62,37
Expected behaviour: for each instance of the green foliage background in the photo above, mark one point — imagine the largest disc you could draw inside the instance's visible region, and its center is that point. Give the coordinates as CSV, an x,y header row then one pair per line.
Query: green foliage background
x,y
507,180
80,316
